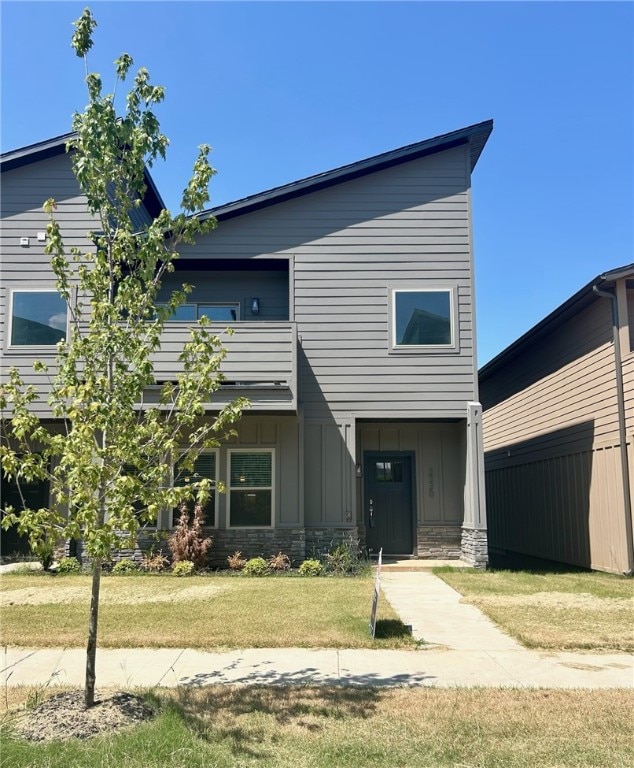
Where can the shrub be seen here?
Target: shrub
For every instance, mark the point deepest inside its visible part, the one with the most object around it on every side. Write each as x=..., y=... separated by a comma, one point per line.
x=183, y=568
x=188, y=541
x=44, y=551
x=279, y=562
x=311, y=568
x=236, y=561
x=154, y=562
x=69, y=565
x=125, y=566
x=256, y=566
x=345, y=558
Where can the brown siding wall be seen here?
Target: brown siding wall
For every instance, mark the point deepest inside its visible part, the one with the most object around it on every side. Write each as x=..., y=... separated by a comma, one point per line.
x=628, y=366
x=551, y=442
x=564, y=380
x=566, y=508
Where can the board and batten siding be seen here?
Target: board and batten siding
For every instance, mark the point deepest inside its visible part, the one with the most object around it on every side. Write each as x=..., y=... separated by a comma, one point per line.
x=24, y=191
x=551, y=442
x=439, y=466
x=405, y=226
x=329, y=497
x=280, y=433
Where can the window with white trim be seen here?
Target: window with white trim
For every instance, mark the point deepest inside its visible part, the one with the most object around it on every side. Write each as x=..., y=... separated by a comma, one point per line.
x=422, y=318
x=38, y=318
x=205, y=466
x=250, y=488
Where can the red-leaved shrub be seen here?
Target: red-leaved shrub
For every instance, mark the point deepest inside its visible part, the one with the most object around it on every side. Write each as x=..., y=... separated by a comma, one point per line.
x=188, y=541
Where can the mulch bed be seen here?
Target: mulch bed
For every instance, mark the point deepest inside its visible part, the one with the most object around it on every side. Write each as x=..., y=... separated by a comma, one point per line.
x=64, y=716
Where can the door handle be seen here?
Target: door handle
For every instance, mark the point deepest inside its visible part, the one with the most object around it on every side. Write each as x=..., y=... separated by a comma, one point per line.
x=371, y=503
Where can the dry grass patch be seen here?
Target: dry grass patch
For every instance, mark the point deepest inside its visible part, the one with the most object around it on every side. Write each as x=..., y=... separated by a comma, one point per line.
x=348, y=727
x=202, y=612
x=571, y=611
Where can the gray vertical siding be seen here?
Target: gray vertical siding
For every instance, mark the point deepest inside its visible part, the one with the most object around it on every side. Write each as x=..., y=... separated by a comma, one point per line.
x=439, y=451
x=329, y=468
x=281, y=434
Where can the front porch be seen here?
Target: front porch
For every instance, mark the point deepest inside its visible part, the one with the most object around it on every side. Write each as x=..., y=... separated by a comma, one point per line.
x=419, y=491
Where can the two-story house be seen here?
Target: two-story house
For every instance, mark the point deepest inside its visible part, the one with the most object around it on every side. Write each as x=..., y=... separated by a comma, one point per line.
x=351, y=296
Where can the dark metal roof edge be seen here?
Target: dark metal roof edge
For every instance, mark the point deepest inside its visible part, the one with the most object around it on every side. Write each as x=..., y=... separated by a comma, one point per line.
x=152, y=200
x=618, y=273
x=34, y=152
x=356, y=170
x=552, y=320
x=42, y=150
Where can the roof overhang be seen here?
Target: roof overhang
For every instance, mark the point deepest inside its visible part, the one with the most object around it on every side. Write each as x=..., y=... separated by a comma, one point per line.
x=34, y=153
x=583, y=298
x=475, y=136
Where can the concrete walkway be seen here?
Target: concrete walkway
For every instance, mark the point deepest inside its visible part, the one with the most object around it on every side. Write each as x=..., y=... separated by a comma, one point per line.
x=463, y=648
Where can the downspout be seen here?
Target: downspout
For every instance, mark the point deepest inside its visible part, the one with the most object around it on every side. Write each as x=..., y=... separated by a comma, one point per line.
x=620, y=399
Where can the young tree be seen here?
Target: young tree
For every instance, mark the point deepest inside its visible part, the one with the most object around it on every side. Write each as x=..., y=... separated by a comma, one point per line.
x=108, y=467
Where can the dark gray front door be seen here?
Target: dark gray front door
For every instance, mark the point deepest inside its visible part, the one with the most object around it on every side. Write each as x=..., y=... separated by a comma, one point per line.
x=388, y=500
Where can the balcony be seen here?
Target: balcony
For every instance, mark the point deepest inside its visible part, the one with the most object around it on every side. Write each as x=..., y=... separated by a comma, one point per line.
x=261, y=363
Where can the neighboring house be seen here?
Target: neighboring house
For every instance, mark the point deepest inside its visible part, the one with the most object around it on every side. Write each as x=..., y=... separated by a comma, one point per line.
x=351, y=296
x=559, y=432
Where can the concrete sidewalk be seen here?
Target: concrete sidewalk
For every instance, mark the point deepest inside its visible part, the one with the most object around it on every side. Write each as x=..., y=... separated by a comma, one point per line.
x=283, y=666
x=463, y=648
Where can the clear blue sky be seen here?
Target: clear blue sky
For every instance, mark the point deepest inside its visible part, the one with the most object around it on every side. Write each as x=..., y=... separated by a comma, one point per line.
x=284, y=90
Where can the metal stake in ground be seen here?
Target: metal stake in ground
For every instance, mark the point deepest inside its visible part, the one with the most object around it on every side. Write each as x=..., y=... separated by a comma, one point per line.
x=375, y=598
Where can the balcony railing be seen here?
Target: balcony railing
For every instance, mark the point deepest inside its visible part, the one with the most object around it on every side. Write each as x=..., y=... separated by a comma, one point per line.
x=261, y=362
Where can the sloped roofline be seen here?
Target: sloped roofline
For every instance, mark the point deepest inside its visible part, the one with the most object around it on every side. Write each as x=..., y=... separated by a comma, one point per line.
x=474, y=135
x=42, y=150
x=581, y=299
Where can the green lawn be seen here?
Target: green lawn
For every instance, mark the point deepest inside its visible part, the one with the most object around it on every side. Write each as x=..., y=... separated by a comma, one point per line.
x=570, y=610
x=216, y=611
x=347, y=727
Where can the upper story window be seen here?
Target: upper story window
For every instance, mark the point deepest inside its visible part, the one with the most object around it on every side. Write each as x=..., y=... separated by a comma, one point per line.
x=38, y=318
x=217, y=313
x=423, y=318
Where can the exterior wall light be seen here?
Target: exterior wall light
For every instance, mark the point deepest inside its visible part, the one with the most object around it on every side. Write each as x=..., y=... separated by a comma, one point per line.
x=255, y=306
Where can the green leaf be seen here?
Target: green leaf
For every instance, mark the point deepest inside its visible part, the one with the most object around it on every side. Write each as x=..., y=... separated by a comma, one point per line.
x=81, y=41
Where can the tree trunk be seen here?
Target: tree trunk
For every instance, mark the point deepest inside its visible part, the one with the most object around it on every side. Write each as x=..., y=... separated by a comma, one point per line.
x=91, y=650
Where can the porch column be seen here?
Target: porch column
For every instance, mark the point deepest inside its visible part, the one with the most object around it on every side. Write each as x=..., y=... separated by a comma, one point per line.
x=474, y=549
